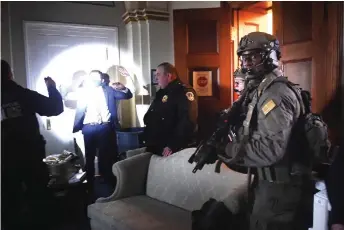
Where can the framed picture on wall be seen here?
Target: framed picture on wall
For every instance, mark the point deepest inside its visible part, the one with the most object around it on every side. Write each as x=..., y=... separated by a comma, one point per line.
x=202, y=83
x=153, y=77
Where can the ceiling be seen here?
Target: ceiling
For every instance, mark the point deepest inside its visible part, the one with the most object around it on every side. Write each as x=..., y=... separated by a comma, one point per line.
x=251, y=5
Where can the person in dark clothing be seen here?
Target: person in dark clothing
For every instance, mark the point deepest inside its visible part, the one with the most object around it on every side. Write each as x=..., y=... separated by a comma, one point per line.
x=23, y=148
x=171, y=120
x=96, y=117
x=334, y=181
x=265, y=140
x=335, y=190
x=283, y=192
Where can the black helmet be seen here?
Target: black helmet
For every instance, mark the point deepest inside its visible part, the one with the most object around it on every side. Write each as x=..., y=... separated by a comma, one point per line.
x=264, y=43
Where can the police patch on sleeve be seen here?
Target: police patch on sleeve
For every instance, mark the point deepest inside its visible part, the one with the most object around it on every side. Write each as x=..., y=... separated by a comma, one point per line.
x=270, y=105
x=190, y=96
x=164, y=99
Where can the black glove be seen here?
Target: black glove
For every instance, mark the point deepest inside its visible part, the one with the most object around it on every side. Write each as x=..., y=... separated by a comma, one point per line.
x=206, y=155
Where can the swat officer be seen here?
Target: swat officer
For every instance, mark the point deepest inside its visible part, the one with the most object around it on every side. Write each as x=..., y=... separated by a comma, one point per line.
x=171, y=120
x=23, y=147
x=266, y=140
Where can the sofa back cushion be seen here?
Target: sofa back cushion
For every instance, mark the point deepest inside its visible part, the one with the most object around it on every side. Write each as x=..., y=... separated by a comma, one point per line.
x=170, y=179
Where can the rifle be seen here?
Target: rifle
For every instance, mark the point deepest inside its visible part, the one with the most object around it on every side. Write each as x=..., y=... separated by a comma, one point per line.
x=206, y=151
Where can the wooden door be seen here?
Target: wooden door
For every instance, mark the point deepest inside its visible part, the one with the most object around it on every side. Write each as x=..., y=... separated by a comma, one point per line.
x=202, y=42
x=305, y=36
x=310, y=36
x=248, y=20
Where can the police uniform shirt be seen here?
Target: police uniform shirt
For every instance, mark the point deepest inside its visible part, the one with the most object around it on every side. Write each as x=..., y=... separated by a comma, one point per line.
x=171, y=119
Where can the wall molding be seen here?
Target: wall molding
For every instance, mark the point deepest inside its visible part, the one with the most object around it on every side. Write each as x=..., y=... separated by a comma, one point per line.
x=107, y=4
x=145, y=15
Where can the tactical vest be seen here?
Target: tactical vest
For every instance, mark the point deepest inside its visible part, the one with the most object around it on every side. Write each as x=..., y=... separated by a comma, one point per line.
x=309, y=136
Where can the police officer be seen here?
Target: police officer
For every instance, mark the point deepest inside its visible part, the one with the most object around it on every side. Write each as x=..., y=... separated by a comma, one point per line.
x=23, y=147
x=266, y=140
x=171, y=120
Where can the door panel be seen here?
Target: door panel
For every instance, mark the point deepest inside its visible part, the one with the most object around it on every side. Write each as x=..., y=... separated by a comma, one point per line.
x=301, y=44
x=310, y=36
x=202, y=42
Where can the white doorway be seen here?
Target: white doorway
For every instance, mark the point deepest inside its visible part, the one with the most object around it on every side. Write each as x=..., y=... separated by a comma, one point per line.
x=63, y=51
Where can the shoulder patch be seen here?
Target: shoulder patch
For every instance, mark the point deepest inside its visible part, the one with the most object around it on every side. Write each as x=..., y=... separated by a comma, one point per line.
x=270, y=105
x=190, y=96
x=164, y=99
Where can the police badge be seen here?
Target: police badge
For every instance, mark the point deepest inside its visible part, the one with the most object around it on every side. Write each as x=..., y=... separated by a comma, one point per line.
x=190, y=96
x=164, y=99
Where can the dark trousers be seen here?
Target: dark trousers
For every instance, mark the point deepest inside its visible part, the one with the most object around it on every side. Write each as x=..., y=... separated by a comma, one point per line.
x=102, y=138
x=24, y=179
x=282, y=206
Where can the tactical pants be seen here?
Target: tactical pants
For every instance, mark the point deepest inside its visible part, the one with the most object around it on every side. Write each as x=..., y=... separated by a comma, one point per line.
x=24, y=181
x=282, y=206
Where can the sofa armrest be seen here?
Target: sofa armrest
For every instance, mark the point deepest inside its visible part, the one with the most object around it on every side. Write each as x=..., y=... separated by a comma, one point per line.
x=131, y=177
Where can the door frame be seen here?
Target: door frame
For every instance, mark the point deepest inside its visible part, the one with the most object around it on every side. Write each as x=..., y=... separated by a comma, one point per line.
x=28, y=24
x=341, y=67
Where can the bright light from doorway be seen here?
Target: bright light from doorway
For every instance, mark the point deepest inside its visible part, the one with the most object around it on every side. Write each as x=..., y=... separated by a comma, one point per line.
x=68, y=69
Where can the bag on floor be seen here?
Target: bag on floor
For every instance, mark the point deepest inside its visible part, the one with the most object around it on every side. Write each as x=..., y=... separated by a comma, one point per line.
x=213, y=215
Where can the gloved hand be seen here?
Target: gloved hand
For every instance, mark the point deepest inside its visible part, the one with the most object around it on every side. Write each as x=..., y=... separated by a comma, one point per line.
x=206, y=155
x=230, y=156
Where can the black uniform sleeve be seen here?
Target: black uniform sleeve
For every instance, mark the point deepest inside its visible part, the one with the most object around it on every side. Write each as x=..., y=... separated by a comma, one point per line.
x=277, y=111
x=45, y=106
x=187, y=109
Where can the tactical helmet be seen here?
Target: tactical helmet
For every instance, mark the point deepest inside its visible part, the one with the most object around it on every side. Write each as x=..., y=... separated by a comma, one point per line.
x=265, y=44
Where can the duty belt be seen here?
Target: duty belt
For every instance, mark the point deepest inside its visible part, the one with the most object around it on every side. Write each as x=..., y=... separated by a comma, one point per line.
x=280, y=174
x=274, y=174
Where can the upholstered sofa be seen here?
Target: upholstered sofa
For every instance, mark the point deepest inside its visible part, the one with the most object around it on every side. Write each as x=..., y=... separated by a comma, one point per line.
x=159, y=193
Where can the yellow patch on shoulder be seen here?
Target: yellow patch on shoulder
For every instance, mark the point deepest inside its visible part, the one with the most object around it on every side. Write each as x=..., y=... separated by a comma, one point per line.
x=270, y=105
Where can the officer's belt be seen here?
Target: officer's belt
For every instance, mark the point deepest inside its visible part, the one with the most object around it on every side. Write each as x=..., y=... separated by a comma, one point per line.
x=279, y=174
x=273, y=174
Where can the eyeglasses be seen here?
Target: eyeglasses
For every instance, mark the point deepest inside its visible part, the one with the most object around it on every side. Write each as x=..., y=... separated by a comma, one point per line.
x=256, y=56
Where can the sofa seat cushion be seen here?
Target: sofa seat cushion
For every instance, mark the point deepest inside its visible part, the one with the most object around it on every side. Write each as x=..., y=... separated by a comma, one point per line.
x=140, y=213
x=170, y=179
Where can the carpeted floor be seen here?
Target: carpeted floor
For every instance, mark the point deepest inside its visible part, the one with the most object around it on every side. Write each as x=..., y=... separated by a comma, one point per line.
x=71, y=210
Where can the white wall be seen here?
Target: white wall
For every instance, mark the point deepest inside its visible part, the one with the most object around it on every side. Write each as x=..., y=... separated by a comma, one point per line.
x=177, y=5
x=194, y=4
x=63, y=12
